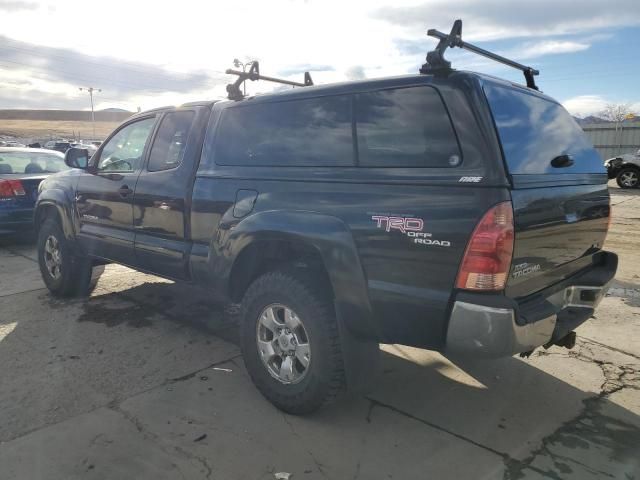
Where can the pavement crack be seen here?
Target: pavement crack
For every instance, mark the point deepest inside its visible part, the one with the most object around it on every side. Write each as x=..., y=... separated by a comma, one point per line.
x=156, y=440
x=356, y=475
x=609, y=347
x=317, y=463
x=590, y=426
x=508, y=460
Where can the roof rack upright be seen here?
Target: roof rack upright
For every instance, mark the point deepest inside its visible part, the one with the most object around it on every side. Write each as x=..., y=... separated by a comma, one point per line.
x=233, y=89
x=437, y=63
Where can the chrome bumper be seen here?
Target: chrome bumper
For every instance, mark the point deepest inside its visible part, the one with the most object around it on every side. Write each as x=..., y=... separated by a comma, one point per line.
x=485, y=331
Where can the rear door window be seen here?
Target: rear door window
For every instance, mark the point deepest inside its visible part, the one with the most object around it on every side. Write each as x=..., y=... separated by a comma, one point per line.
x=534, y=130
x=171, y=141
x=294, y=133
x=405, y=127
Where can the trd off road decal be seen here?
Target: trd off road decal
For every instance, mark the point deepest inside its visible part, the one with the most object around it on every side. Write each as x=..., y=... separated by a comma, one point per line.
x=411, y=227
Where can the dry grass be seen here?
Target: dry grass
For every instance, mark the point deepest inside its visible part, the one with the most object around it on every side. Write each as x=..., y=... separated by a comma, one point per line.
x=42, y=129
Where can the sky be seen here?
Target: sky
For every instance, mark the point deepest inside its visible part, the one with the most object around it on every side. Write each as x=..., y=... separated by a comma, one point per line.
x=148, y=54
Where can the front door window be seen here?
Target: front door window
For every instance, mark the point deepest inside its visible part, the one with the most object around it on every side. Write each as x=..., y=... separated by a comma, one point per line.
x=123, y=152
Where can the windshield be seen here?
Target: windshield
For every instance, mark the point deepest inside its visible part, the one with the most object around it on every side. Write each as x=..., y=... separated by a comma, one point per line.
x=534, y=130
x=31, y=162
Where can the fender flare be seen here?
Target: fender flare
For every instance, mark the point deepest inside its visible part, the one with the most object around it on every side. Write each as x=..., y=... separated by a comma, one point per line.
x=328, y=235
x=57, y=199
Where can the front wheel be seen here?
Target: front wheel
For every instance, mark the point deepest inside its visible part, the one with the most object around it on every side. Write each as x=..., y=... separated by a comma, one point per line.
x=63, y=273
x=290, y=340
x=628, y=178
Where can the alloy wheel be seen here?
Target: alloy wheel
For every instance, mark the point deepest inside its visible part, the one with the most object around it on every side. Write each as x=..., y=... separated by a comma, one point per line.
x=283, y=344
x=53, y=257
x=629, y=179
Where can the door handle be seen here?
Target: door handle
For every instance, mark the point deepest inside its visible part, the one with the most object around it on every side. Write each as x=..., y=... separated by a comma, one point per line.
x=125, y=191
x=562, y=161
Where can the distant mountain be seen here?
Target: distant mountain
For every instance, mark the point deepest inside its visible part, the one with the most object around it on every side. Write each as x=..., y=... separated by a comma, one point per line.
x=119, y=110
x=590, y=120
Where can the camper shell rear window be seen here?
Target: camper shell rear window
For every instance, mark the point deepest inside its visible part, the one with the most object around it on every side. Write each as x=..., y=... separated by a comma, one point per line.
x=534, y=130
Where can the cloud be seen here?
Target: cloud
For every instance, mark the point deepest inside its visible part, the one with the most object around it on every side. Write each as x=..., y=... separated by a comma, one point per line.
x=53, y=76
x=585, y=105
x=70, y=66
x=549, y=47
x=16, y=6
x=168, y=60
x=304, y=67
x=355, y=72
x=497, y=19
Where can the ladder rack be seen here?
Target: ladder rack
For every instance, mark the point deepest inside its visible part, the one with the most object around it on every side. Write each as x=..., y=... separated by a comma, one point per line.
x=437, y=63
x=233, y=89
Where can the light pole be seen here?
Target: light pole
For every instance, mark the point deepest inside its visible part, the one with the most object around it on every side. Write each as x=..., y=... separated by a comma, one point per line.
x=237, y=63
x=93, y=118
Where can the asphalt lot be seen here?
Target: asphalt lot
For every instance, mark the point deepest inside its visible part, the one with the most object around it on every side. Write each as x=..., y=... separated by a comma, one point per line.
x=144, y=381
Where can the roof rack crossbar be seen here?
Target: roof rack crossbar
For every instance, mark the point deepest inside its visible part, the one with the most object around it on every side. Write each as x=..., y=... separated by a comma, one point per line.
x=437, y=62
x=233, y=89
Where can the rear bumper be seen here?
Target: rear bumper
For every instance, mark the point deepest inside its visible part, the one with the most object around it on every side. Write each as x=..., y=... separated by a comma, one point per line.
x=497, y=326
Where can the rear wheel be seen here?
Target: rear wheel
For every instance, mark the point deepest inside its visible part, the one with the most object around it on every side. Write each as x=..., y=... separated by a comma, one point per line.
x=628, y=178
x=290, y=340
x=64, y=273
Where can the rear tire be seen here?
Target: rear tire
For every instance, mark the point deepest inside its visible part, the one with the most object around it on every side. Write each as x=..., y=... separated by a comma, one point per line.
x=64, y=273
x=628, y=177
x=306, y=303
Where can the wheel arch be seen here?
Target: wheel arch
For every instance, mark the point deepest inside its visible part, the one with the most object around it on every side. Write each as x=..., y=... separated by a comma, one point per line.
x=53, y=203
x=308, y=240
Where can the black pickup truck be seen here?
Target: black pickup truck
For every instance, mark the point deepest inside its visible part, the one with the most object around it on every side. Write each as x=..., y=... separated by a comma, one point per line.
x=447, y=210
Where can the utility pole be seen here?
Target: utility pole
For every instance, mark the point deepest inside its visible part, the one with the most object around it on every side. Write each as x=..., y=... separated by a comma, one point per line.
x=93, y=118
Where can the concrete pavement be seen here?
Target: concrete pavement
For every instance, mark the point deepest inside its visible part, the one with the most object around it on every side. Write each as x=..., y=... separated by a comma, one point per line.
x=144, y=380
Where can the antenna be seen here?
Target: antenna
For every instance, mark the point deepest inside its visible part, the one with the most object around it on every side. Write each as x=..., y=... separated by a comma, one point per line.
x=233, y=89
x=437, y=63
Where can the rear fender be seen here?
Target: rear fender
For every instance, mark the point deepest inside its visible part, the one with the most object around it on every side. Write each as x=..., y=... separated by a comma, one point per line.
x=326, y=234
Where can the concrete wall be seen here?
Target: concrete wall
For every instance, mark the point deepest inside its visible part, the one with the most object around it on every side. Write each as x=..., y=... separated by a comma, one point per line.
x=611, y=142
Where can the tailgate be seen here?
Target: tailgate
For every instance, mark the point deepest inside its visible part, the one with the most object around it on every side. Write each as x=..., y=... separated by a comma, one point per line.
x=559, y=195
x=557, y=230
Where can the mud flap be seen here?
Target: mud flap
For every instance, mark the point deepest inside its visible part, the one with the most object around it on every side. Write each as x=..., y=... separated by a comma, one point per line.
x=361, y=357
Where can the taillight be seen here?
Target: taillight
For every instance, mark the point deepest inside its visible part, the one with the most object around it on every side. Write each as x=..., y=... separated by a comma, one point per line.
x=487, y=259
x=11, y=188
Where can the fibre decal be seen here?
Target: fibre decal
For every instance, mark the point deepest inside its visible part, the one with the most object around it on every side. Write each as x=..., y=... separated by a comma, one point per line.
x=411, y=227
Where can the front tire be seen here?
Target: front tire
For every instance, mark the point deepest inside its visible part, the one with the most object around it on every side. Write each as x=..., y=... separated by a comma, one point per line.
x=290, y=340
x=628, y=177
x=64, y=273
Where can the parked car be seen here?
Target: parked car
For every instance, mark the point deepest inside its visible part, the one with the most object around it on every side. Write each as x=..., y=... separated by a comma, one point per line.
x=61, y=146
x=13, y=143
x=625, y=169
x=91, y=149
x=21, y=171
x=431, y=210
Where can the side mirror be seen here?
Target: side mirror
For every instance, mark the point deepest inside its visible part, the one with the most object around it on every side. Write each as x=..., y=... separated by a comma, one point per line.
x=77, y=158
